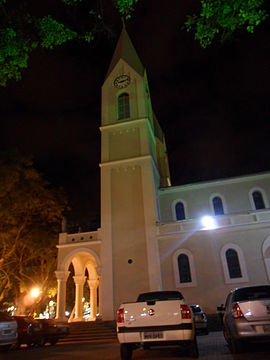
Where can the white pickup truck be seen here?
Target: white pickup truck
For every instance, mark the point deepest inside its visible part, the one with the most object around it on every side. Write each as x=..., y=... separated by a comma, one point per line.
x=160, y=318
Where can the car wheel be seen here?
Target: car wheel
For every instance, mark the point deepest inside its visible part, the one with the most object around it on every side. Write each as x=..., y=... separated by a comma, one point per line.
x=31, y=344
x=54, y=341
x=41, y=342
x=193, y=349
x=126, y=351
x=235, y=346
x=17, y=345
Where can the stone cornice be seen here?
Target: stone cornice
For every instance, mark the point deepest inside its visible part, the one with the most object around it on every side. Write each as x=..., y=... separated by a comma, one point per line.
x=212, y=183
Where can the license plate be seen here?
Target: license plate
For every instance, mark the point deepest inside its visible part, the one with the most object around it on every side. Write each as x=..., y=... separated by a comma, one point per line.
x=153, y=335
x=266, y=328
x=7, y=332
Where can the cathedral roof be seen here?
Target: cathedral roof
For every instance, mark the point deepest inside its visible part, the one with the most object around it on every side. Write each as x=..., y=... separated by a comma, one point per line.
x=125, y=50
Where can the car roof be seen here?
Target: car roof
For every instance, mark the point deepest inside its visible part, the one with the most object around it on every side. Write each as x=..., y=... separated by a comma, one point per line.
x=250, y=287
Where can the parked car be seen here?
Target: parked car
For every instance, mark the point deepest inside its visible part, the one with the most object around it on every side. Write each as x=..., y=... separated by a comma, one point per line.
x=247, y=316
x=156, y=319
x=8, y=331
x=29, y=331
x=200, y=319
x=52, y=331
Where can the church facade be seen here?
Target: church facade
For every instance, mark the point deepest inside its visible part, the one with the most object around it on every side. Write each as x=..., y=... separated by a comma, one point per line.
x=202, y=239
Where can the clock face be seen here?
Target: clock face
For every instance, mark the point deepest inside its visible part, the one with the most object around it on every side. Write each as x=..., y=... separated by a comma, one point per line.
x=121, y=81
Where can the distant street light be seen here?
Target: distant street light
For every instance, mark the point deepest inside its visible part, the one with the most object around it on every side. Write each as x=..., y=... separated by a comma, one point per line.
x=35, y=292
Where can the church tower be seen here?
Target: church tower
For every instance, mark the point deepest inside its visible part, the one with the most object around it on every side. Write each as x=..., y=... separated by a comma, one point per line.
x=133, y=166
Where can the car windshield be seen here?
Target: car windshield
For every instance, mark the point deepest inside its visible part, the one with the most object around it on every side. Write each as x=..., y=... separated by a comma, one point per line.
x=4, y=317
x=160, y=296
x=23, y=319
x=195, y=308
x=252, y=293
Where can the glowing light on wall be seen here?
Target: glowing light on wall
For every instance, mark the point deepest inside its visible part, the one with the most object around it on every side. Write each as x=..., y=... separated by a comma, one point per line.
x=208, y=222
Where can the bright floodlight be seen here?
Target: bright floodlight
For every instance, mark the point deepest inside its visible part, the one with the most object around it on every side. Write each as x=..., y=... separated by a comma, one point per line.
x=35, y=292
x=208, y=222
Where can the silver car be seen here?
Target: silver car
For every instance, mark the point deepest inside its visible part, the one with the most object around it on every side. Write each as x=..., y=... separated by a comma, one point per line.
x=8, y=331
x=247, y=316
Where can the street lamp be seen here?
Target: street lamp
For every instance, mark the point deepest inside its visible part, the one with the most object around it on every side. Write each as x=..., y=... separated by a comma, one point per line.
x=208, y=222
x=35, y=292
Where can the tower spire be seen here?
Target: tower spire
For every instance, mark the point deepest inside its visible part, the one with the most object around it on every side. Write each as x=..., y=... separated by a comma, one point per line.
x=123, y=22
x=125, y=50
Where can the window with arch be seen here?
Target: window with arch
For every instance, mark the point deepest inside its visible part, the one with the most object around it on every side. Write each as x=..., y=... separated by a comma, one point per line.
x=218, y=205
x=123, y=106
x=234, y=266
x=184, y=268
x=258, y=200
x=180, y=211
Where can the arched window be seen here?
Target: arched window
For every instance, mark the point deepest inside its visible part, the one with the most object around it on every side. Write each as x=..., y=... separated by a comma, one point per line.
x=218, y=206
x=258, y=200
x=233, y=264
x=184, y=269
x=180, y=211
x=123, y=106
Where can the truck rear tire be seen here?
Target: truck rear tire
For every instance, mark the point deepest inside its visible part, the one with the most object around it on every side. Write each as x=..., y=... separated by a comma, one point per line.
x=235, y=346
x=126, y=351
x=193, y=350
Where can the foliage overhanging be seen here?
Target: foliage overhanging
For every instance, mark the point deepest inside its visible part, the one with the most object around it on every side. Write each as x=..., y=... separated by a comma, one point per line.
x=21, y=31
x=220, y=19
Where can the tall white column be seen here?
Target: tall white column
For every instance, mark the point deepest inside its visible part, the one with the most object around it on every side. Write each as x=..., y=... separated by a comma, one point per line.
x=98, y=269
x=93, y=285
x=100, y=296
x=79, y=282
x=61, y=276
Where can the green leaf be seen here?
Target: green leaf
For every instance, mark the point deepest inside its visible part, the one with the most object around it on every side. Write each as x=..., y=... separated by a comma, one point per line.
x=14, y=55
x=89, y=36
x=125, y=7
x=54, y=33
x=219, y=19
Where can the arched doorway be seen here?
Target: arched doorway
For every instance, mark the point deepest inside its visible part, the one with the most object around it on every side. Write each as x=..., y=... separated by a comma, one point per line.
x=80, y=268
x=266, y=255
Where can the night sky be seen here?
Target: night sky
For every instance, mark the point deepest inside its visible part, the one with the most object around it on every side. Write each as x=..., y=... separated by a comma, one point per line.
x=213, y=104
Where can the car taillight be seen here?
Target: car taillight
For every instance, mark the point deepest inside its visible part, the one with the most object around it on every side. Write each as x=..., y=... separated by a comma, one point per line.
x=25, y=327
x=237, y=313
x=185, y=311
x=120, y=316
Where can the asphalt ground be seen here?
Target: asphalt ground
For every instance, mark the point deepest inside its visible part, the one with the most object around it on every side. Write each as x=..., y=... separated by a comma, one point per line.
x=211, y=347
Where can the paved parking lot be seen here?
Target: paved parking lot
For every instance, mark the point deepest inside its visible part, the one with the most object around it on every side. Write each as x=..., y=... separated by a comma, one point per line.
x=211, y=347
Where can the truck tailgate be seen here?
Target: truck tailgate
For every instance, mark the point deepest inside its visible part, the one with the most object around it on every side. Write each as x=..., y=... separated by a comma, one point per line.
x=159, y=313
